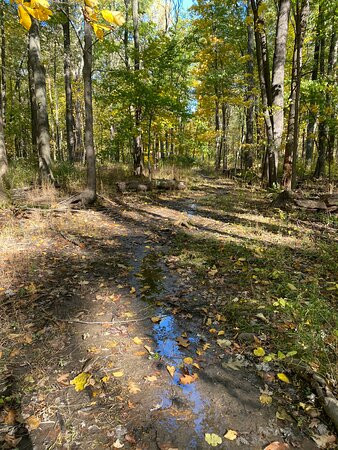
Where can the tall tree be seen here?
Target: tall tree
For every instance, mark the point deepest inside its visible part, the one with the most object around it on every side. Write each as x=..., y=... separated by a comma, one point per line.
x=301, y=14
x=42, y=125
x=68, y=84
x=137, y=138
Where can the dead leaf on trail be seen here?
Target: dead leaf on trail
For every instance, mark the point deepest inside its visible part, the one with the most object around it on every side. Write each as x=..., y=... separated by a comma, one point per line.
x=188, y=360
x=277, y=446
x=235, y=364
x=265, y=399
x=118, y=374
x=118, y=444
x=171, y=370
x=81, y=381
x=324, y=440
x=63, y=379
x=140, y=353
x=188, y=379
x=133, y=388
x=196, y=365
x=283, y=377
x=156, y=319
x=10, y=418
x=150, y=378
x=231, y=435
x=14, y=353
x=132, y=290
x=223, y=343
x=137, y=340
x=206, y=346
x=183, y=342
x=213, y=439
x=148, y=349
x=111, y=344
x=33, y=422
x=281, y=414
x=259, y=351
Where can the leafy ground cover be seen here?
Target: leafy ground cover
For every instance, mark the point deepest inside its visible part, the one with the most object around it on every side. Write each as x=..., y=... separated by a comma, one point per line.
x=165, y=321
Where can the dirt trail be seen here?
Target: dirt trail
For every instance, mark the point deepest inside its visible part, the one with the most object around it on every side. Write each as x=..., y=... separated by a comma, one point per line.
x=159, y=318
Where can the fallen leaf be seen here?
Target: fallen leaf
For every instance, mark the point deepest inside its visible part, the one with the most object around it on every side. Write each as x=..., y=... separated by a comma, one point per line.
x=235, y=364
x=196, y=365
x=221, y=333
x=140, y=353
x=118, y=374
x=262, y=317
x=213, y=439
x=133, y=388
x=148, y=349
x=118, y=444
x=281, y=414
x=324, y=440
x=188, y=360
x=81, y=381
x=213, y=331
x=259, y=351
x=277, y=446
x=105, y=379
x=10, y=418
x=231, y=435
x=33, y=422
x=265, y=399
x=283, y=377
x=206, y=346
x=223, y=343
x=183, y=342
x=150, y=378
x=156, y=319
x=132, y=290
x=14, y=353
x=171, y=370
x=291, y=286
x=111, y=344
x=188, y=379
x=137, y=340
x=63, y=379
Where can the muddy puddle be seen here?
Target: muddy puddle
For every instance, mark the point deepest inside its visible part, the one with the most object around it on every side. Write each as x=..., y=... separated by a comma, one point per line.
x=153, y=282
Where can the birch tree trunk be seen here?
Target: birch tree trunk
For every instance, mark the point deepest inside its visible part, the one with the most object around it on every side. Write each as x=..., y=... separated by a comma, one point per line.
x=42, y=125
x=291, y=147
x=278, y=75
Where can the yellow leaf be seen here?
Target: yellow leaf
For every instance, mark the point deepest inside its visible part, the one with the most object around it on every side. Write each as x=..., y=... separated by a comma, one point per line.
x=171, y=370
x=133, y=388
x=231, y=435
x=206, y=346
x=33, y=422
x=114, y=17
x=111, y=344
x=25, y=18
x=137, y=340
x=220, y=333
x=188, y=360
x=259, y=351
x=80, y=381
x=151, y=378
x=196, y=365
x=91, y=3
x=156, y=319
x=132, y=290
x=188, y=379
x=265, y=399
x=105, y=379
x=213, y=330
x=213, y=439
x=118, y=374
x=183, y=342
x=283, y=377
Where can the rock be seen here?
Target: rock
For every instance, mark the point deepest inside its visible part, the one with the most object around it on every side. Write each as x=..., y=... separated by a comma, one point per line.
x=246, y=337
x=180, y=185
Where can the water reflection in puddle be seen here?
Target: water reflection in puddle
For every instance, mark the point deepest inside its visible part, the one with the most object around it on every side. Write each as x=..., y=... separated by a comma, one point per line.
x=151, y=282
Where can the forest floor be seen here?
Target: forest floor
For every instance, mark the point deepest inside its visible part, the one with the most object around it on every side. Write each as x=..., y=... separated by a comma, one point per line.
x=165, y=321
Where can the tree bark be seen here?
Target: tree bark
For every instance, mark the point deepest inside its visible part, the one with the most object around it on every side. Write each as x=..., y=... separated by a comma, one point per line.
x=137, y=138
x=68, y=85
x=291, y=147
x=42, y=125
x=312, y=114
x=90, y=193
x=3, y=64
x=278, y=74
x=250, y=98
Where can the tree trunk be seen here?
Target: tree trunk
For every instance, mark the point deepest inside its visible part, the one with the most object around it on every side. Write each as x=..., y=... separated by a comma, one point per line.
x=278, y=74
x=3, y=64
x=291, y=147
x=137, y=139
x=218, y=136
x=68, y=85
x=250, y=98
x=90, y=193
x=42, y=126
x=312, y=115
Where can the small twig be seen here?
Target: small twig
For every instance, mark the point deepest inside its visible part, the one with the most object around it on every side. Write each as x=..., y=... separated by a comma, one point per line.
x=107, y=200
x=118, y=322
